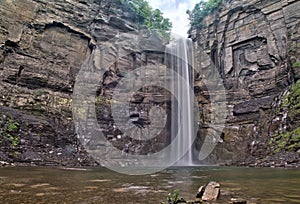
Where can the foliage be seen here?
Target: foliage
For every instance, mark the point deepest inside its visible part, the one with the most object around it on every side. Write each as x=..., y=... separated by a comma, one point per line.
x=289, y=141
x=146, y=16
x=8, y=130
x=173, y=198
x=292, y=99
x=201, y=10
x=296, y=64
x=294, y=48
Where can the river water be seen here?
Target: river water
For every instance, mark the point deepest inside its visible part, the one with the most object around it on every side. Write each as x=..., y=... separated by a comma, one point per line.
x=99, y=185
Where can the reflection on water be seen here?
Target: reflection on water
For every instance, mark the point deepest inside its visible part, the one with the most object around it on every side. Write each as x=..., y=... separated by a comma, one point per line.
x=54, y=185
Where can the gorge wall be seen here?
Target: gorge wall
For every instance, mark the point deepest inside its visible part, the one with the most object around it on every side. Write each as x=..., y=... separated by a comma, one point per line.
x=253, y=45
x=44, y=44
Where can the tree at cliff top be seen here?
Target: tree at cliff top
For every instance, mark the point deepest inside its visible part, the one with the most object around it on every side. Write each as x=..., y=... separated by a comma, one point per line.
x=201, y=10
x=146, y=16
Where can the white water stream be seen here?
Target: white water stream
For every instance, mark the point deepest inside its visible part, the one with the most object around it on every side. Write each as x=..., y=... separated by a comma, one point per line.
x=180, y=59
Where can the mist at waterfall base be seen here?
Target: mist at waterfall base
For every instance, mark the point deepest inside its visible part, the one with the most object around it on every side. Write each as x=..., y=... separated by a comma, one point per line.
x=179, y=57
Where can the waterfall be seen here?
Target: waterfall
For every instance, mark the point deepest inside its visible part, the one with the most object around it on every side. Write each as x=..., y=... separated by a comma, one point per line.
x=179, y=57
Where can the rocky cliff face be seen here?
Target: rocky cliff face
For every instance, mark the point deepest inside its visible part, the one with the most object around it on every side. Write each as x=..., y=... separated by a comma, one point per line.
x=43, y=46
x=253, y=45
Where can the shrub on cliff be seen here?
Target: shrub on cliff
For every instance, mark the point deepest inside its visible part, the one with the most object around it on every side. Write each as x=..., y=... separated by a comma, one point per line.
x=292, y=99
x=201, y=10
x=145, y=15
x=8, y=131
x=289, y=140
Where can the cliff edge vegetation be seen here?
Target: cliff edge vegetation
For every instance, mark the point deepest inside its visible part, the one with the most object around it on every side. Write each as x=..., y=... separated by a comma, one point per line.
x=145, y=15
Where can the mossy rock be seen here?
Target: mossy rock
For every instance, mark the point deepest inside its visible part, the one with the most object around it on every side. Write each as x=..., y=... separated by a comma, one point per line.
x=292, y=100
x=289, y=141
x=296, y=64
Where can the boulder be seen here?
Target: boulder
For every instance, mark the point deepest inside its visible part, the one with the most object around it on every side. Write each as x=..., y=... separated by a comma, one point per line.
x=211, y=192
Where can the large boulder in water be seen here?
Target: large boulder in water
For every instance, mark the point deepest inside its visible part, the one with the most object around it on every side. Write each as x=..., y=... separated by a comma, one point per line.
x=211, y=192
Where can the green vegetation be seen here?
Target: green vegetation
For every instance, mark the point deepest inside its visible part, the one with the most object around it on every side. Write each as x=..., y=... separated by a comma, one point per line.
x=289, y=141
x=292, y=99
x=172, y=198
x=293, y=54
x=201, y=10
x=146, y=16
x=296, y=64
x=294, y=48
x=8, y=130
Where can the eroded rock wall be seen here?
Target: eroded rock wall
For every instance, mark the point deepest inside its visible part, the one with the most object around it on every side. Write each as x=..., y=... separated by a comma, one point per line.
x=251, y=45
x=43, y=46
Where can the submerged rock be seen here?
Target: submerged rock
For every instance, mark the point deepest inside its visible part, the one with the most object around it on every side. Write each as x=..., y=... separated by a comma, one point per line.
x=238, y=201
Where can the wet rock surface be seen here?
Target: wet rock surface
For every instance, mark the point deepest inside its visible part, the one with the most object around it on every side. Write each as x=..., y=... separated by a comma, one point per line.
x=211, y=192
x=251, y=45
x=43, y=142
x=5, y=164
x=43, y=47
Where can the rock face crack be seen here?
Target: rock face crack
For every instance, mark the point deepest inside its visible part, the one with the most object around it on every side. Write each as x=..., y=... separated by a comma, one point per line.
x=44, y=45
x=251, y=40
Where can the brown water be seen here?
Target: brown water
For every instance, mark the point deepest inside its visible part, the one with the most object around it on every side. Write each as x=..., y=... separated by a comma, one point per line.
x=54, y=185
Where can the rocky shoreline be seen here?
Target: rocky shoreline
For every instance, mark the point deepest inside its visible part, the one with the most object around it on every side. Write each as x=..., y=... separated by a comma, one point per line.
x=44, y=142
x=260, y=164
x=279, y=160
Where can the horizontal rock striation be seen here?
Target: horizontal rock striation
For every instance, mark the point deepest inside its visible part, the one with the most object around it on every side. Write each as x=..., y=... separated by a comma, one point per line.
x=252, y=45
x=43, y=46
x=46, y=47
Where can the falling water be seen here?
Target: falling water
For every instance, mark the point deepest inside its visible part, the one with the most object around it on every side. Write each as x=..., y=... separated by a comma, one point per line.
x=179, y=57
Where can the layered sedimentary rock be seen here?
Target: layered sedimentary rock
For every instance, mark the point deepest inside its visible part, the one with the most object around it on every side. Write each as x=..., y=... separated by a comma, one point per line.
x=43, y=46
x=252, y=45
